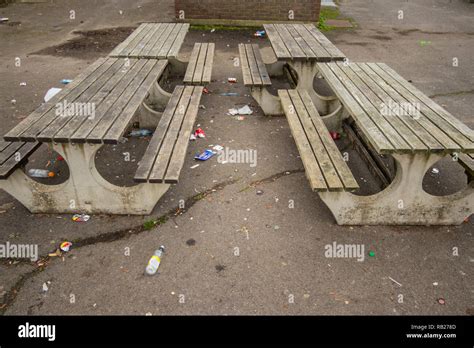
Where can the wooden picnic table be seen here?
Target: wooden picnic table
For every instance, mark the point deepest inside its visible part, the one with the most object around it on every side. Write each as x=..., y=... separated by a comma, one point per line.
x=153, y=40
x=301, y=47
x=394, y=118
x=96, y=108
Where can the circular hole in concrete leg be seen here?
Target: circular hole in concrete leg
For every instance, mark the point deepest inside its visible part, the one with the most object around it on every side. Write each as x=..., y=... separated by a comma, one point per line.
x=45, y=158
x=444, y=178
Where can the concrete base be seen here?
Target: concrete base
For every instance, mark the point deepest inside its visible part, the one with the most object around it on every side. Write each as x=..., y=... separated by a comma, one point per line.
x=306, y=72
x=403, y=202
x=176, y=66
x=86, y=191
x=269, y=103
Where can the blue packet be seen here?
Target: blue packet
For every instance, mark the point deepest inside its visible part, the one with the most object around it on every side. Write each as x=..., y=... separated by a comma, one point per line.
x=205, y=155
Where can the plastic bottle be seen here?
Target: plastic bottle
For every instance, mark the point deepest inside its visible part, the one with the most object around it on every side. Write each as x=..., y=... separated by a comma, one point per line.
x=155, y=261
x=141, y=133
x=40, y=173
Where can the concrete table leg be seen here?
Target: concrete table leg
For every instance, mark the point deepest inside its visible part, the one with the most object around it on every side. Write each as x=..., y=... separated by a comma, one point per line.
x=307, y=71
x=86, y=191
x=403, y=202
x=270, y=104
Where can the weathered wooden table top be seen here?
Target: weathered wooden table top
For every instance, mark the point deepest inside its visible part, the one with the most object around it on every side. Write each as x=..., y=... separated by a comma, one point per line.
x=301, y=42
x=96, y=107
x=393, y=115
x=153, y=40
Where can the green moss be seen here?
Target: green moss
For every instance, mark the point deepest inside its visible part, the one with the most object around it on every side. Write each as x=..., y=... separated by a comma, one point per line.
x=330, y=13
x=148, y=225
x=325, y=14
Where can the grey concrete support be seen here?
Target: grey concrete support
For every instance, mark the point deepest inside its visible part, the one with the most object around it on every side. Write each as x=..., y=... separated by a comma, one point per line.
x=177, y=67
x=158, y=96
x=275, y=68
x=269, y=103
x=147, y=117
x=307, y=71
x=403, y=202
x=86, y=191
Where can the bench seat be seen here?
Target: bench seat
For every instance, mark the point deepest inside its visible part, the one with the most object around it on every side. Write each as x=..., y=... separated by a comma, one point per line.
x=324, y=164
x=165, y=155
x=253, y=68
x=199, y=69
x=467, y=161
x=13, y=155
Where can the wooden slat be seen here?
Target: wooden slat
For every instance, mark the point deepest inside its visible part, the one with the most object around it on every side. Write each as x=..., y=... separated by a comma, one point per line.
x=385, y=93
x=313, y=172
x=197, y=77
x=86, y=97
x=14, y=134
x=157, y=36
x=328, y=45
x=154, y=53
x=277, y=43
x=447, y=128
x=341, y=166
x=148, y=160
x=160, y=167
x=179, y=152
x=207, y=74
x=110, y=104
x=163, y=53
x=309, y=53
x=12, y=163
x=9, y=151
x=174, y=50
x=316, y=146
x=188, y=77
x=108, y=120
x=262, y=69
x=467, y=162
x=65, y=134
x=120, y=125
x=245, y=66
x=463, y=128
x=116, y=51
x=439, y=135
x=318, y=50
x=4, y=144
x=257, y=80
x=370, y=130
x=378, y=97
x=133, y=43
x=147, y=39
x=353, y=83
x=31, y=133
x=295, y=50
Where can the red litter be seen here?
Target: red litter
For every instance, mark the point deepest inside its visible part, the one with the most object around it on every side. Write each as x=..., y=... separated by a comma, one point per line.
x=205, y=90
x=232, y=80
x=66, y=246
x=335, y=135
x=199, y=133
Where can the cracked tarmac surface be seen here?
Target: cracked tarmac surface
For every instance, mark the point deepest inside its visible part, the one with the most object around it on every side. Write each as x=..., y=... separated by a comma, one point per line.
x=231, y=250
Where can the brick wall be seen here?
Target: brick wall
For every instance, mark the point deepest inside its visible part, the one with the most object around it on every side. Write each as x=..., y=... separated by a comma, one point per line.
x=304, y=10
